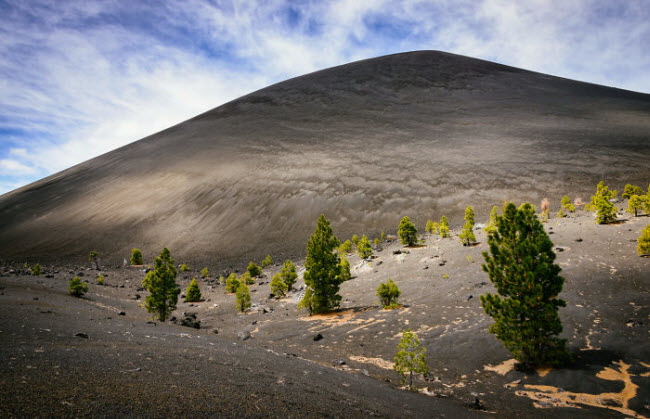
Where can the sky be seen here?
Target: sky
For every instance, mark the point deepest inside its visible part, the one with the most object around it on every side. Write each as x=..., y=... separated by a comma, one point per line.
x=81, y=78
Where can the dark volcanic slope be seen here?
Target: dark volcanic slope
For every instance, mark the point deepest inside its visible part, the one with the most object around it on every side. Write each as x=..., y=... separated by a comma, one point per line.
x=420, y=134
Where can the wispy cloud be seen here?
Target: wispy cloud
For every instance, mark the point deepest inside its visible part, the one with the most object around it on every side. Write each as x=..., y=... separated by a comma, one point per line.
x=80, y=78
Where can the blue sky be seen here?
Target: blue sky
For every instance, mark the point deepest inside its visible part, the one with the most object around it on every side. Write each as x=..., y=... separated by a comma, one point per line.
x=80, y=78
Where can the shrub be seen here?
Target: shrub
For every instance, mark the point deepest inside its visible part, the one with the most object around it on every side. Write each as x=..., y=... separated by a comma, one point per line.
x=388, y=294
x=492, y=222
x=254, y=270
x=382, y=236
x=322, y=270
x=635, y=203
x=243, y=298
x=643, y=241
x=288, y=274
x=36, y=270
x=232, y=283
x=162, y=287
x=205, y=273
x=469, y=258
x=136, y=257
x=355, y=239
x=407, y=232
x=521, y=267
x=566, y=204
x=345, y=269
x=411, y=357
x=307, y=301
x=193, y=292
x=560, y=213
x=377, y=242
x=278, y=287
x=247, y=279
x=364, y=248
x=268, y=261
x=545, y=217
x=429, y=227
x=345, y=247
x=184, y=267
x=605, y=210
x=630, y=190
x=445, y=276
x=221, y=280
x=444, y=227
x=92, y=258
x=467, y=234
x=77, y=288
x=100, y=279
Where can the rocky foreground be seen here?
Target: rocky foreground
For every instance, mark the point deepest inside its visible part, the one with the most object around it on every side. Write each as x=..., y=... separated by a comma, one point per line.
x=101, y=354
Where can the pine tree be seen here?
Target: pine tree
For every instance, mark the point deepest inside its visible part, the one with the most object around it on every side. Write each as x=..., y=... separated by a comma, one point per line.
x=635, y=204
x=232, y=283
x=492, y=222
x=364, y=248
x=278, y=287
x=407, y=232
x=345, y=269
x=162, y=287
x=136, y=257
x=93, y=258
x=184, y=267
x=411, y=357
x=376, y=242
x=444, y=227
x=560, y=213
x=355, y=239
x=77, y=288
x=322, y=270
x=644, y=242
x=205, y=273
x=288, y=274
x=254, y=270
x=388, y=294
x=268, y=261
x=467, y=234
x=243, y=298
x=345, y=248
x=566, y=204
x=605, y=210
x=382, y=236
x=630, y=190
x=100, y=279
x=193, y=292
x=246, y=278
x=525, y=310
x=307, y=301
x=37, y=270
x=429, y=227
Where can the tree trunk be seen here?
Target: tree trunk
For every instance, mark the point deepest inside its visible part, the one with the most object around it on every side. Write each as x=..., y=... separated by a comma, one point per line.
x=410, y=380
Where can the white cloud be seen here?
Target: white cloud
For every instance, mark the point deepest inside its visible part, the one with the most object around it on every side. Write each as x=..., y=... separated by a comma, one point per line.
x=76, y=84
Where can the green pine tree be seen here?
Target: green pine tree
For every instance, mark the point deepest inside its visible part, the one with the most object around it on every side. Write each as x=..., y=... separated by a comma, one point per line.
x=467, y=234
x=162, y=287
x=246, y=278
x=605, y=210
x=566, y=204
x=77, y=288
x=444, y=227
x=243, y=298
x=388, y=294
x=136, y=257
x=429, y=227
x=492, y=222
x=37, y=270
x=643, y=241
x=288, y=274
x=184, y=267
x=364, y=248
x=268, y=261
x=278, y=287
x=635, y=203
x=322, y=270
x=345, y=248
x=254, y=270
x=411, y=357
x=193, y=292
x=525, y=310
x=630, y=190
x=205, y=273
x=407, y=232
x=345, y=269
x=232, y=283
x=355, y=239
x=93, y=258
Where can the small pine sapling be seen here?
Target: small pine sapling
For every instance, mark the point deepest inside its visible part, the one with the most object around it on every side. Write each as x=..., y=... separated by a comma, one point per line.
x=136, y=257
x=288, y=274
x=193, y=292
x=77, y=288
x=467, y=234
x=205, y=273
x=100, y=279
x=444, y=227
x=492, y=222
x=278, y=287
x=268, y=261
x=407, y=232
x=184, y=267
x=382, y=236
x=635, y=203
x=643, y=248
x=37, y=270
x=630, y=190
x=429, y=227
x=345, y=247
x=377, y=242
x=254, y=270
x=411, y=357
x=566, y=204
x=93, y=258
x=560, y=213
x=162, y=287
x=355, y=239
x=345, y=269
x=601, y=203
x=364, y=248
x=388, y=293
x=243, y=298
x=247, y=279
x=232, y=283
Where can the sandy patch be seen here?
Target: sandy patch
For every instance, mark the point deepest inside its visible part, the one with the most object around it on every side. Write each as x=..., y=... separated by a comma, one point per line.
x=379, y=362
x=503, y=368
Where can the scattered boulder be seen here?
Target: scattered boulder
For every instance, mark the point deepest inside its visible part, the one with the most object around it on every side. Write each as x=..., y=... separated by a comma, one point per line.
x=82, y=335
x=215, y=331
x=80, y=274
x=397, y=252
x=245, y=335
x=189, y=320
x=318, y=337
x=121, y=313
x=578, y=240
x=442, y=263
x=469, y=297
x=338, y=362
x=136, y=297
x=475, y=404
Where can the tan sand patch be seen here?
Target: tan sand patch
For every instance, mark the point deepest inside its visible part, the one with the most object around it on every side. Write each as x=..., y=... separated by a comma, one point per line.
x=549, y=396
x=503, y=368
x=379, y=362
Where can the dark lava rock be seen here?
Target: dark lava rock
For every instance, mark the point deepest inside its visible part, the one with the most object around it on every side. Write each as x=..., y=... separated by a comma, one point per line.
x=121, y=286
x=81, y=335
x=121, y=313
x=140, y=289
x=442, y=263
x=338, y=362
x=469, y=297
x=49, y=276
x=245, y=335
x=136, y=297
x=578, y=240
x=425, y=268
x=80, y=274
x=215, y=331
x=559, y=249
x=397, y=252
x=318, y=337
x=475, y=404
x=189, y=320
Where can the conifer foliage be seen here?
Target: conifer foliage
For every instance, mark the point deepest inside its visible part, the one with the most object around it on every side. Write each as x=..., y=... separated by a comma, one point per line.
x=243, y=298
x=492, y=222
x=345, y=269
x=525, y=310
x=364, y=248
x=278, y=286
x=467, y=235
x=388, y=294
x=407, y=232
x=162, y=287
x=77, y=288
x=136, y=257
x=322, y=270
x=411, y=357
x=193, y=292
x=605, y=210
x=288, y=274
x=643, y=241
x=443, y=228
